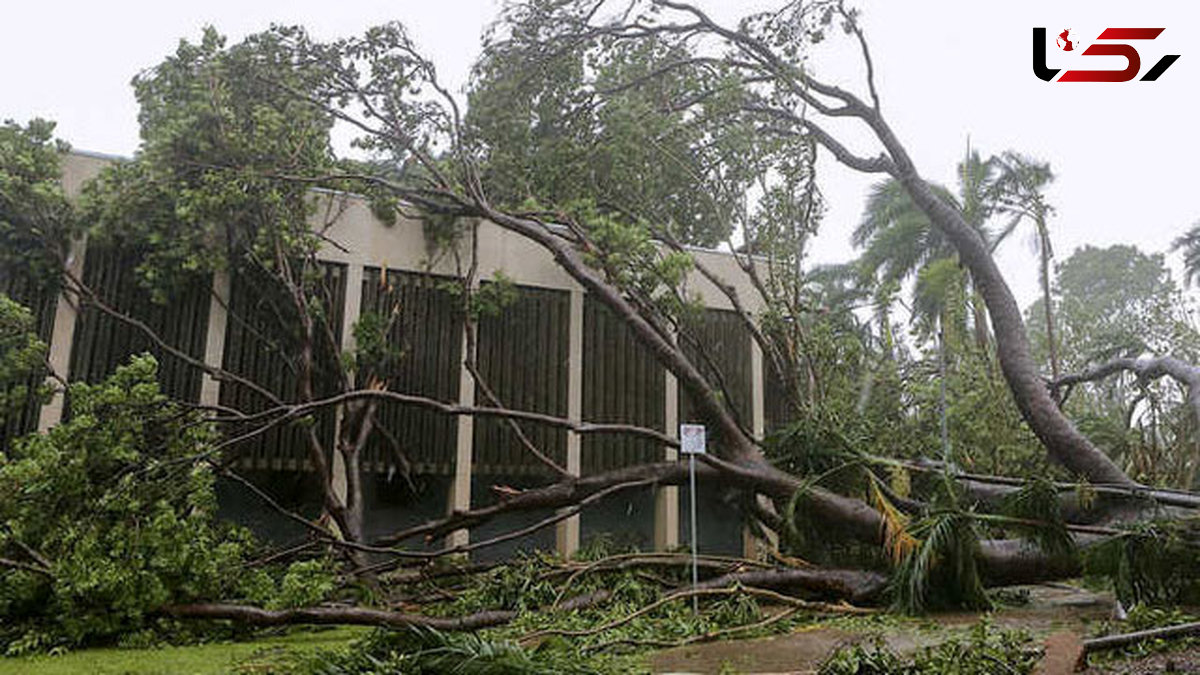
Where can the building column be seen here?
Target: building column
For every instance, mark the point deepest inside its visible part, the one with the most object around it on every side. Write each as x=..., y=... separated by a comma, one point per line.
x=66, y=314
x=214, y=345
x=351, y=311
x=464, y=456
x=567, y=533
x=751, y=544
x=666, y=499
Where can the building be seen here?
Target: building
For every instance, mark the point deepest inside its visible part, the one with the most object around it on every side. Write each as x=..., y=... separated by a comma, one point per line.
x=554, y=351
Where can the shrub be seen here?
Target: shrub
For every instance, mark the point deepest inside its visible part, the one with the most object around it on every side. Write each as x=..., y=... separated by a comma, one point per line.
x=111, y=515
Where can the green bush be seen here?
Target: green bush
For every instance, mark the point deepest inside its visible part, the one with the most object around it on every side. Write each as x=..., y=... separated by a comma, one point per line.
x=111, y=515
x=424, y=651
x=22, y=356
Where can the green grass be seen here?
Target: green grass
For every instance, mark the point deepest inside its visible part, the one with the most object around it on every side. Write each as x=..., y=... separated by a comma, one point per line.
x=263, y=655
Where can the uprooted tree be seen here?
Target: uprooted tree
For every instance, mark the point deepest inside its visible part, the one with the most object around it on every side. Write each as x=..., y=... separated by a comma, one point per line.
x=612, y=137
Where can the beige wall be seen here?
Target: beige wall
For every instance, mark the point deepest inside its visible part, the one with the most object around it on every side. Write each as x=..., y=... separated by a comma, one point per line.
x=370, y=243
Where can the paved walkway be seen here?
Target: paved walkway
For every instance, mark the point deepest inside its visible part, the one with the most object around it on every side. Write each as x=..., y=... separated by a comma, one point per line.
x=1051, y=609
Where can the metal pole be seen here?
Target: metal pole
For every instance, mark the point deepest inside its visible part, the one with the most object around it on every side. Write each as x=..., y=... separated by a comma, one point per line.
x=695, y=562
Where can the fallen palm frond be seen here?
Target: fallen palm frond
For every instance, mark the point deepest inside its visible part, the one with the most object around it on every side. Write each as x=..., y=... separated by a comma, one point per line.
x=898, y=541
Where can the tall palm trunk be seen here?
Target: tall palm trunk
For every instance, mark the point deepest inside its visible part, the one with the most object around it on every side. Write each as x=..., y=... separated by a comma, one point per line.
x=943, y=425
x=1046, y=253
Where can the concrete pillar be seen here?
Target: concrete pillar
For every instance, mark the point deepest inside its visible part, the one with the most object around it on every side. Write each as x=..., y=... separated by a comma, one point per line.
x=66, y=313
x=666, y=499
x=460, y=490
x=352, y=306
x=758, y=425
x=758, y=414
x=567, y=533
x=351, y=311
x=214, y=345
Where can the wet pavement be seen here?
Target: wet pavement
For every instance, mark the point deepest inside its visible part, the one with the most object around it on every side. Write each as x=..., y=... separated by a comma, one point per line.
x=1051, y=609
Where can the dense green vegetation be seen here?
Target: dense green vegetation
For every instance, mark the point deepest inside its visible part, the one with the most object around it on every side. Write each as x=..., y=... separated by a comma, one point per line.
x=114, y=510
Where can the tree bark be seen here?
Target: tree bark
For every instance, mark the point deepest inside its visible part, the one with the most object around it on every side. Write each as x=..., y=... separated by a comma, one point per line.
x=326, y=616
x=1116, y=641
x=1045, y=252
x=1061, y=439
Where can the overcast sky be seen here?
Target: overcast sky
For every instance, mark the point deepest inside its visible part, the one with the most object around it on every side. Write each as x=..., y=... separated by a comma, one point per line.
x=947, y=71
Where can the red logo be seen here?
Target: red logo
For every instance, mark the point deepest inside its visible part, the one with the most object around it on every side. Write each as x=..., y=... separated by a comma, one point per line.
x=1064, y=41
x=1067, y=42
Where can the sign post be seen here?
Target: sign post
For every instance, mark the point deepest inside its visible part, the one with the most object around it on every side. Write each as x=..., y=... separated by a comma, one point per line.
x=691, y=443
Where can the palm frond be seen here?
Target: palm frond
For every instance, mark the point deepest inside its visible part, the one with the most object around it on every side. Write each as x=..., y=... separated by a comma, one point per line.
x=1037, y=502
x=941, y=570
x=898, y=542
x=1156, y=563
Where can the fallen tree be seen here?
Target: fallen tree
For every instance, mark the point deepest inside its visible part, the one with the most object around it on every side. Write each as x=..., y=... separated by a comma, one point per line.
x=749, y=80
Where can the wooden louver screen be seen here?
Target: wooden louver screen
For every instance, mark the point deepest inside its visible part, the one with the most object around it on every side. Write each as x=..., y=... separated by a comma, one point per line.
x=725, y=341
x=40, y=299
x=622, y=383
x=103, y=342
x=260, y=344
x=428, y=331
x=522, y=354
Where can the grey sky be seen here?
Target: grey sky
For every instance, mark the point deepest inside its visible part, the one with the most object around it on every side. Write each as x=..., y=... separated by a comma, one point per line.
x=946, y=70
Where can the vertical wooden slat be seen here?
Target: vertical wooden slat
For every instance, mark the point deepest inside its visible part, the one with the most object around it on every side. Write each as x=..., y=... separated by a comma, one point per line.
x=522, y=355
x=40, y=298
x=625, y=384
x=428, y=330
x=103, y=343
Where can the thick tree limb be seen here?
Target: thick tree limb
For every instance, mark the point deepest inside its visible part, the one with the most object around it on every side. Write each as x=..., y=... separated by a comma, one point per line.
x=1063, y=442
x=856, y=586
x=1058, y=435
x=728, y=585
x=326, y=616
x=1126, y=639
x=992, y=489
x=27, y=567
x=1146, y=370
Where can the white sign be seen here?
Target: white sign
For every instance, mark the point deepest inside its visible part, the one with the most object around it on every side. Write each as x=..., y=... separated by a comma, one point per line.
x=691, y=439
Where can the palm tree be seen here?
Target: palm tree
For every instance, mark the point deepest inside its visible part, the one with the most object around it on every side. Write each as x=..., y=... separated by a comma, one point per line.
x=1019, y=194
x=899, y=241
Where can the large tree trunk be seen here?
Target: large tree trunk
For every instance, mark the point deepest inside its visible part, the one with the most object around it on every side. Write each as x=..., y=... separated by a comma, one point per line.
x=1062, y=440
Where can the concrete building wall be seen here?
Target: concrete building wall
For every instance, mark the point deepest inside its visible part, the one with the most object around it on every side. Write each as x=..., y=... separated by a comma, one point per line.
x=363, y=243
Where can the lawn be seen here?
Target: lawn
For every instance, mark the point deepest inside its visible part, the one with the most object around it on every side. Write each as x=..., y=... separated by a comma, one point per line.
x=264, y=655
